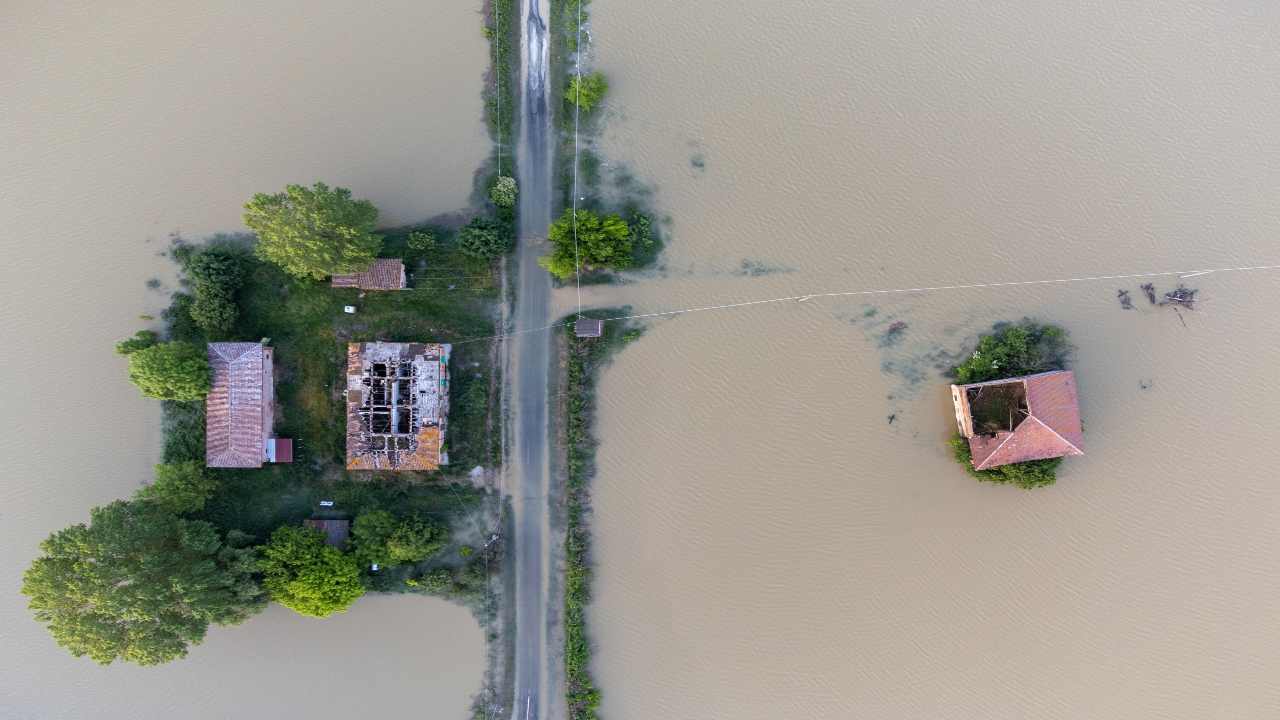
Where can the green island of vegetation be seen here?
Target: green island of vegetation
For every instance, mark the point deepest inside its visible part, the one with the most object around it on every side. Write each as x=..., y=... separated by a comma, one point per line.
x=584, y=359
x=146, y=576
x=1012, y=350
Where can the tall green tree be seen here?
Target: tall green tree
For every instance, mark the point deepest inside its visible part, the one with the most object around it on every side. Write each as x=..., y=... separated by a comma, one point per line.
x=601, y=243
x=307, y=576
x=484, y=238
x=171, y=371
x=314, y=232
x=139, y=584
x=588, y=91
x=379, y=537
x=181, y=488
x=215, y=274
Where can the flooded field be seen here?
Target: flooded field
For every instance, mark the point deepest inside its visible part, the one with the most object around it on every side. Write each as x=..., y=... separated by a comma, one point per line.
x=125, y=125
x=780, y=531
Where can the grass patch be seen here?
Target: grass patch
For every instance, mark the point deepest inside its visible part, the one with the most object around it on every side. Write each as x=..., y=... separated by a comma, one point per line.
x=585, y=358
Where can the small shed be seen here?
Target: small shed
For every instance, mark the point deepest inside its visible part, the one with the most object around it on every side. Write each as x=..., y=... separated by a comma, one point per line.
x=588, y=327
x=280, y=450
x=383, y=274
x=335, y=531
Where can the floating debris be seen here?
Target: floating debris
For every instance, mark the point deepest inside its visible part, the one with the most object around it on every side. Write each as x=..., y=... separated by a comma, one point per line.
x=1182, y=296
x=1150, y=290
x=1125, y=301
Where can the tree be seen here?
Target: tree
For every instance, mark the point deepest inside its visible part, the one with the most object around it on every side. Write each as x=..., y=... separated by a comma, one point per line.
x=141, y=340
x=484, y=239
x=314, y=232
x=421, y=240
x=1015, y=349
x=138, y=584
x=181, y=488
x=503, y=192
x=587, y=92
x=379, y=537
x=602, y=242
x=307, y=576
x=171, y=371
x=215, y=274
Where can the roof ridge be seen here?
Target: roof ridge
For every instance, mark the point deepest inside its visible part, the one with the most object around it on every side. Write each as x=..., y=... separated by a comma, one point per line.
x=993, y=452
x=1046, y=426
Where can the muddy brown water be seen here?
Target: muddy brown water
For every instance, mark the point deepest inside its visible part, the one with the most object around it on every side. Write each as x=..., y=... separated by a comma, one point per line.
x=121, y=126
x=768, y=544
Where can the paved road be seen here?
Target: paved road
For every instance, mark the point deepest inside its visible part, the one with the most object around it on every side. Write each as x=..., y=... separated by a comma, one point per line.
x=529, y=472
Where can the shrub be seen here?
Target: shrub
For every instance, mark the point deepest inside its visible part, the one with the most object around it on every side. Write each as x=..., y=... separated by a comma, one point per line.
x=587, y=92
x=1015, y=349
x=379, y=537
x=602, y=242
x=305, y=575
x=503, y=192
x=421, y=241
x=484, y=238
x=171, y=371
x=141, y=340
x=1027, y=475
x=215, y=274
x=181, y=488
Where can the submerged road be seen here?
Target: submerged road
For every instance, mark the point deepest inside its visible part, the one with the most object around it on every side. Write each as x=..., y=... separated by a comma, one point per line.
x=528, y=478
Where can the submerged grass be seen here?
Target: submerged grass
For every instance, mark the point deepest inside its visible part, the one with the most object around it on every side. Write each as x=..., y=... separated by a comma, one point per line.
x=585, y=358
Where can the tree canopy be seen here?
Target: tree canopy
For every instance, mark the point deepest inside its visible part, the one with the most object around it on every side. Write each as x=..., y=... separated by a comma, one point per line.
x=1015, y=349
x=382, y=538
x=138, y=584
x=307, y=576
x=181, y=488
x=503, y=191
x=215, y=275
x=588, y=91
x=140, y=341
x=602, y=243
x=170, y=371
x=484, y=238
x=314, y=232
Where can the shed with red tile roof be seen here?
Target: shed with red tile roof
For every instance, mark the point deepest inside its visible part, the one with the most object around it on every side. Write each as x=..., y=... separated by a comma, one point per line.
x=384, y=274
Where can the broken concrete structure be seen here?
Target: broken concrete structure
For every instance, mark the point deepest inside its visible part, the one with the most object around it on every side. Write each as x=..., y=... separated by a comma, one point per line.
x=1019, y=419
x=240, y=408
x=397, y=405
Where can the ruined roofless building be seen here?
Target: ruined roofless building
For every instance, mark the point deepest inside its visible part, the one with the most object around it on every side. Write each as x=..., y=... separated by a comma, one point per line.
x=397, y=405
x=240, y=408
x=1019, y=419
x=384, y=274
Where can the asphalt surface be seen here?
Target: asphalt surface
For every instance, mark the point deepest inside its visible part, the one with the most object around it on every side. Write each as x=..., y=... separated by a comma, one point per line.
x=530, y=366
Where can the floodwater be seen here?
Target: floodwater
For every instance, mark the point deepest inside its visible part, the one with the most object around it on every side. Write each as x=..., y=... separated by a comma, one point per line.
x=120, y=126
x=780, y=532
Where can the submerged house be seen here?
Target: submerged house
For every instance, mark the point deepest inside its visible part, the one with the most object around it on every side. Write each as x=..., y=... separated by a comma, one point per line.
x=1033, y=417
x=397, y=405
x=383, y=274
x=588, y=327
x=240, y=408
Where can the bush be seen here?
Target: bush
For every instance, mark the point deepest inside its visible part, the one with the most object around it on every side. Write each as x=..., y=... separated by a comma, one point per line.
x=141, y=340
x=1015, y=349
x=171, y=371
x=305, y=575
x=379, y=537
x=484, y=239
x=1027, y=475
x=421, y=241
x=181, y=488
x=503, y=193
x=588, y=91
x=602, y=243
x=215, y=274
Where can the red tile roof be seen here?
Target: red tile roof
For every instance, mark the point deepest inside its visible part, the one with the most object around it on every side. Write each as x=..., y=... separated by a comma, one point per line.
x=384, y=274
x=234, y=434
x=1051, y=429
